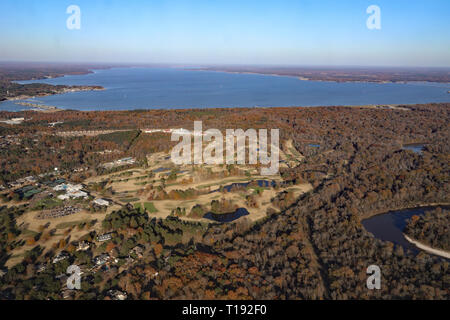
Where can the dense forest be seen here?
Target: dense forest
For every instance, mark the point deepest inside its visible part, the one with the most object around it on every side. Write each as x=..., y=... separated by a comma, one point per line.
x=316, y=248
x=432, y=229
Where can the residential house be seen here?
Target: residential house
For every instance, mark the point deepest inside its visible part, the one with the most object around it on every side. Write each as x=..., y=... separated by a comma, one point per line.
x=101, y=259
x=117, y=295
x=101, y=202
x=104, y=237
x=61, y=256
x=83, y=245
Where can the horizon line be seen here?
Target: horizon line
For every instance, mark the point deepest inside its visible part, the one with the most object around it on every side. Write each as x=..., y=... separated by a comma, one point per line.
x=188, y=64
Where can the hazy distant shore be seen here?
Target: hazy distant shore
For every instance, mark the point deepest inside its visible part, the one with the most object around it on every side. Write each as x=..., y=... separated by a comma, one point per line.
x=342, y=75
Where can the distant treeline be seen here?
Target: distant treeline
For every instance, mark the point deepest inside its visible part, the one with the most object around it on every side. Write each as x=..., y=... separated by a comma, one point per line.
x=10, y=72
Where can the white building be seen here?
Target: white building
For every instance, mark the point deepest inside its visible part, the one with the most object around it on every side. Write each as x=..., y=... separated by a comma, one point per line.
x=61, y=256
x=117, y=295
x=68, y=187
x=73, y=195
x=72, y=191
x=101, y=202
x=14, y=121
x=104, y=237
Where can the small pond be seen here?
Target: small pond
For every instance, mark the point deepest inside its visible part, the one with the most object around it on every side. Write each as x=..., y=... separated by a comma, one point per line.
x=414, y=147
x=260, y=183
x=161, y=170
x=227, y=217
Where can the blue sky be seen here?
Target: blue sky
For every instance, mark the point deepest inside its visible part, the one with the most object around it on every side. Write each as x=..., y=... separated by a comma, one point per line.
x=284, y=32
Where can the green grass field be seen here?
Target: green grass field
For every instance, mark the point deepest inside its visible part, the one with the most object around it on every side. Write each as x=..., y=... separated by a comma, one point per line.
x=149, y=206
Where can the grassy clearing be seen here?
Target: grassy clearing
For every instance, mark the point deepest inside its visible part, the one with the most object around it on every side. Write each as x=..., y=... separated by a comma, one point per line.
x=150, y=207
x=138, y=205
x=47, y=203
x=29, y=233
x=122, y=138
x=64, y=225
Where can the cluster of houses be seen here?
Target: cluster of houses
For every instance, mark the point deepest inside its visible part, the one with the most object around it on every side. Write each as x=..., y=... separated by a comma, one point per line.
x=71, y=191
x=101, y=262
x=22, y=181
x=29, y=186
x=28, y=191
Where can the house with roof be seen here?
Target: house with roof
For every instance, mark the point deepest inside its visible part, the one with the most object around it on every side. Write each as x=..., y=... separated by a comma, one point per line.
x=117, y=295
x=60, y=257
x=101, y=202
x=101, y=259
x=104, y=237
x=83, y=246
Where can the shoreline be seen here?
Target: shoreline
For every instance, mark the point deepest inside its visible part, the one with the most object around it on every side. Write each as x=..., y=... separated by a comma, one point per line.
x=422, y=205
x=388, y=107
x=426, y=248
x=298, y=76
x=44, y=108
x=303, y=78
x=65, y=90
x=69, y=89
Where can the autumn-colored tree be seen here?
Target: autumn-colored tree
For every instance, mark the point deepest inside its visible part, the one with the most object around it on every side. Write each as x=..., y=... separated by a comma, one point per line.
x=157, y=248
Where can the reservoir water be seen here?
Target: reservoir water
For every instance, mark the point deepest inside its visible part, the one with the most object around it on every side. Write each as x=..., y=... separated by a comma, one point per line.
x=169, y=88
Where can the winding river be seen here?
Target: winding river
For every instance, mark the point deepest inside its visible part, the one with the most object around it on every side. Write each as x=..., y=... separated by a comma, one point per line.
x=389, y=226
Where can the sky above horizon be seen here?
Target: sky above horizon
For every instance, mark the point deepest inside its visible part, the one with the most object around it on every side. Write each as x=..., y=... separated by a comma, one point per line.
x=283, y=32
